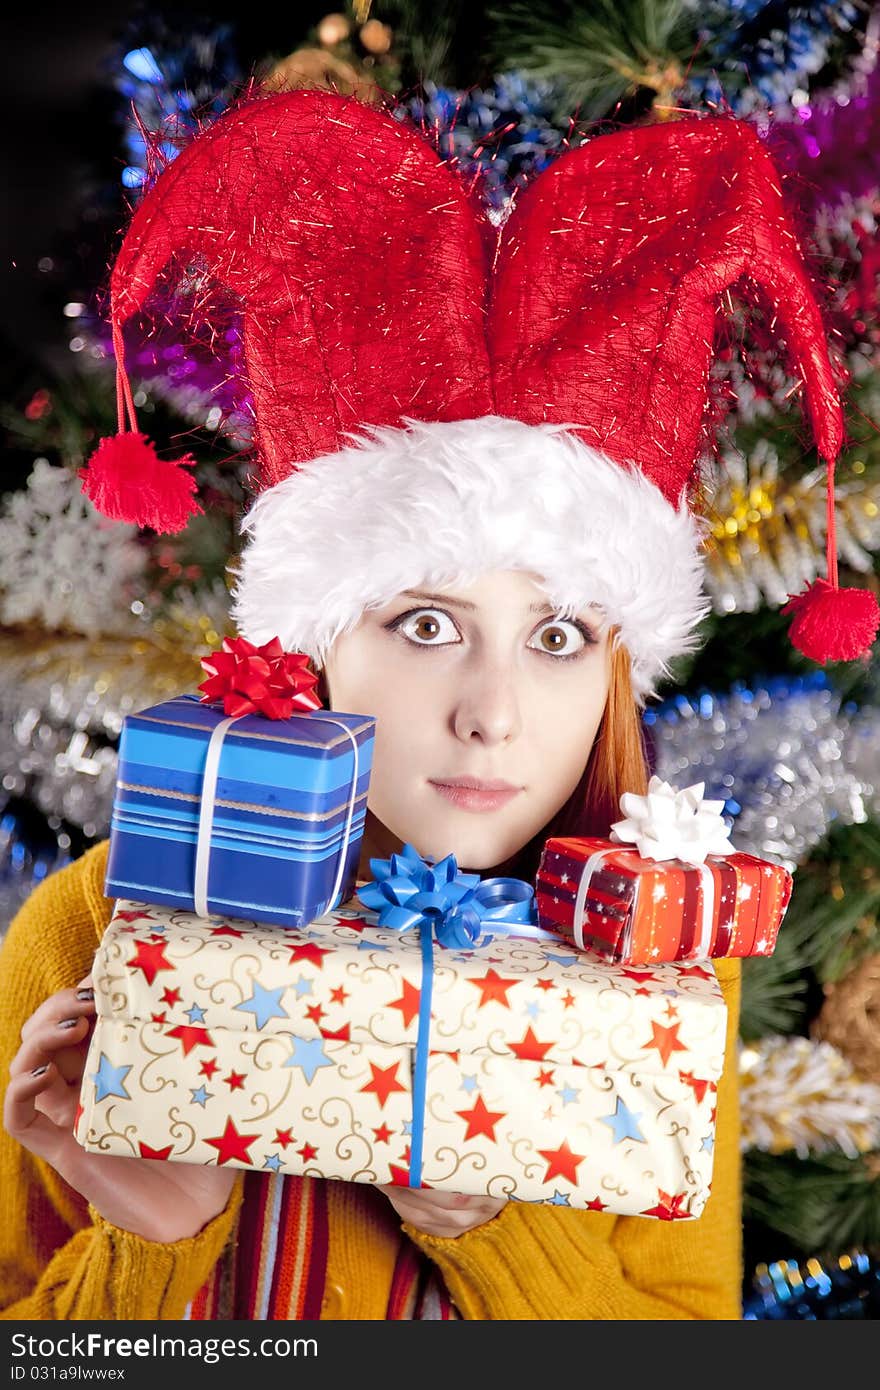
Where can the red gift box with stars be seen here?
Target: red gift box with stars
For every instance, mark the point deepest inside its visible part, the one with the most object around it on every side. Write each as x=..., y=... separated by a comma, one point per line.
x=603, y=895
x=552, y=1075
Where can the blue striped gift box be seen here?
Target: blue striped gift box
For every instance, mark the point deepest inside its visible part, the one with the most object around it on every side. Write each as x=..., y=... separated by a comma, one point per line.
x=283, y=798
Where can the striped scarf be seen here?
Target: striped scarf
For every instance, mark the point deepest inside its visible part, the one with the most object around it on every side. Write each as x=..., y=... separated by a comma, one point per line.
x=277, y=1268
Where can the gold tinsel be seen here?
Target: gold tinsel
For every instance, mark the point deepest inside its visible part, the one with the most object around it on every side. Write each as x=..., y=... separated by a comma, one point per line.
x=802, y=1094
x=850, y=1017
x=768, y=533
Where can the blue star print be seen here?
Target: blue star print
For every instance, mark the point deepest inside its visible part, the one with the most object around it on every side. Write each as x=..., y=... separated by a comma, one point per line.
x=468, y=1083
x=309, y=1055
x=371, y=946
x=624, y=1123
x=264, y=1004
x=195, y=1014
x=561, y=960
x=560, y=1199
x=302, y=986
x=110, y=1080
x=200, y=1096
x=532, y=1009
x=272, y=1161
x=708, y=1143
x=568, y=1094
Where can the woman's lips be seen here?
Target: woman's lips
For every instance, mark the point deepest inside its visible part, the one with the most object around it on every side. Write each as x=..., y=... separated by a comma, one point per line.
x=470, y=794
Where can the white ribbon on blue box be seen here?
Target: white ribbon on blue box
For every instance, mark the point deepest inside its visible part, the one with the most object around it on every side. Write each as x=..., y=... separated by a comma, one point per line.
x=251, y=817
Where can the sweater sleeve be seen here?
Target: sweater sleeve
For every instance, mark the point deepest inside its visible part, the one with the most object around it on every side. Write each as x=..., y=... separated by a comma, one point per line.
x=59, y=1259
x=546, y=1262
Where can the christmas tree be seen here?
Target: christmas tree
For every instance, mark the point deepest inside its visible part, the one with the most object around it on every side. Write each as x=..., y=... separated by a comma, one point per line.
x=792, y=750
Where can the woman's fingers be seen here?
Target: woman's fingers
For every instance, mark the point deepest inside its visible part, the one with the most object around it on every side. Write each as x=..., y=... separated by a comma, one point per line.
x=55, y=1040
x=22, y=1117
x=67, y=1003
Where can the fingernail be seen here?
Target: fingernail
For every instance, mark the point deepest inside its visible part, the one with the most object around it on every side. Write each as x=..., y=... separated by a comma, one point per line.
x=39, y=1071
x=68, y=1023
x=84, y=995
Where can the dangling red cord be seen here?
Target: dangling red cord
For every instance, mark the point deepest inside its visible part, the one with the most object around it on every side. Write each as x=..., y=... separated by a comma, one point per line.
x=830, y=623
x=126, y=479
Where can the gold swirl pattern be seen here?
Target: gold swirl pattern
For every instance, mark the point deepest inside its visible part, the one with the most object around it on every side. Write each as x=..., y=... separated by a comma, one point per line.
x=552, y=1075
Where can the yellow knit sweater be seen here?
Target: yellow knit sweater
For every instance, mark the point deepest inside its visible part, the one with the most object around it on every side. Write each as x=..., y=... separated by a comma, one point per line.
x=59, y=1259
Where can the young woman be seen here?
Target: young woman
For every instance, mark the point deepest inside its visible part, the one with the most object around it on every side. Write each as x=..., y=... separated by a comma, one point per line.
x=499, y=588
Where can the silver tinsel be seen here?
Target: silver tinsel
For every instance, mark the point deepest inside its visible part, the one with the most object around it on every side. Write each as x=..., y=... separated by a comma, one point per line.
x=786, y=759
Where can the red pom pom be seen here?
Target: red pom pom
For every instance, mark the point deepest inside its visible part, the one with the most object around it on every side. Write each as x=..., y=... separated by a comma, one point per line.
x=127, y=481
x=833, y=624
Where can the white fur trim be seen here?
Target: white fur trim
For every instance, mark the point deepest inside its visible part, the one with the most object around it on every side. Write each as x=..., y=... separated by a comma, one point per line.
x=439, y=504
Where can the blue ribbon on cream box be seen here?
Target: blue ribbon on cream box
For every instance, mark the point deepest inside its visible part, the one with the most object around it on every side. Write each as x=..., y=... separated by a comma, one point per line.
x=239, y=817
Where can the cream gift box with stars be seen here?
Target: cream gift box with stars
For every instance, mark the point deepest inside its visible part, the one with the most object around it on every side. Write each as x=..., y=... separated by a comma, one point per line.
x=552, y=1076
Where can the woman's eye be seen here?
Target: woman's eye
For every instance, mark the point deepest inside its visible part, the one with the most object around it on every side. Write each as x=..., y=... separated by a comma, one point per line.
x=428, y=627
x=561, y=638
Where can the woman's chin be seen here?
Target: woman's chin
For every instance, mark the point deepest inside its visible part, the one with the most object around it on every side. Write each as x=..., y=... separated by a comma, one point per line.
x=475, y=847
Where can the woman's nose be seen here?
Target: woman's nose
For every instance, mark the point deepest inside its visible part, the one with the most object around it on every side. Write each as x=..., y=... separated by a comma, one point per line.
x=487, y=706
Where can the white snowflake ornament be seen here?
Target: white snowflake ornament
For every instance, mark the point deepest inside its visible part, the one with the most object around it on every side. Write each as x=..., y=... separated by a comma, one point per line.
x=61, y=563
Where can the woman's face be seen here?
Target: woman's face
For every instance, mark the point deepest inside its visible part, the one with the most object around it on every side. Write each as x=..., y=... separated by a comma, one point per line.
x=473, y=686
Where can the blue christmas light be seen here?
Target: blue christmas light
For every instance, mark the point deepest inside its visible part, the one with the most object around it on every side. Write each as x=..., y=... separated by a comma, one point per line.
x=142, y=65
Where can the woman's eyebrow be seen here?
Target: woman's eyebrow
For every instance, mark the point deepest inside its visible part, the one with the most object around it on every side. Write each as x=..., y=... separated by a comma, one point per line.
x=463, y=603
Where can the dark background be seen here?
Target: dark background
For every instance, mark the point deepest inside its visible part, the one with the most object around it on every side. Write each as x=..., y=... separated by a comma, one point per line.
x=61, y=155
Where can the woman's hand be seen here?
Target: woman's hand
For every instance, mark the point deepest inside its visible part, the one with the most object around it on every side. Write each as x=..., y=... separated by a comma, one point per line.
x=441, y=1213
x=160, y=1201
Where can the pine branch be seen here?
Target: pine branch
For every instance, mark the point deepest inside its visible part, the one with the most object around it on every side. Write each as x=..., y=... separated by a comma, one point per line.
x=597, y=53
x=819, y=1204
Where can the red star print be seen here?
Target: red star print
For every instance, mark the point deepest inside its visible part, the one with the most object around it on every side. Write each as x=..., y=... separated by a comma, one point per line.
x=310, y=952
x=356, y=923
x=315, y=1013
x=383, y=1134
x=562, y=1163
x=307, y=1153
x=338, y=995
x=480, y=1120
x=384, y=1082
x=640, y=975
x=399, y=1176
x=545, y=984
x=408, y=1003
x=157, y=936
x=235, y=1080
x=668, y=1208
x=170, y=996
x=150, y=957
x=595, y=1205
x=698, y=1087
x=665, y=1040
x=230, y=1144
x=545, y=1078
x=441, y=1052
x=337, y=1034
x=646, y=993
x=157, y=1018
x=130, y=916
x=493, y=987
x=208, y=1068
x=529, y=1049
x=226, y=931
x=147, y=1152
x=80, y=1111
x=283, y=1137
x=190, y=1037
x=569, y=1000
x=697, y=971
x=671, y=1011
